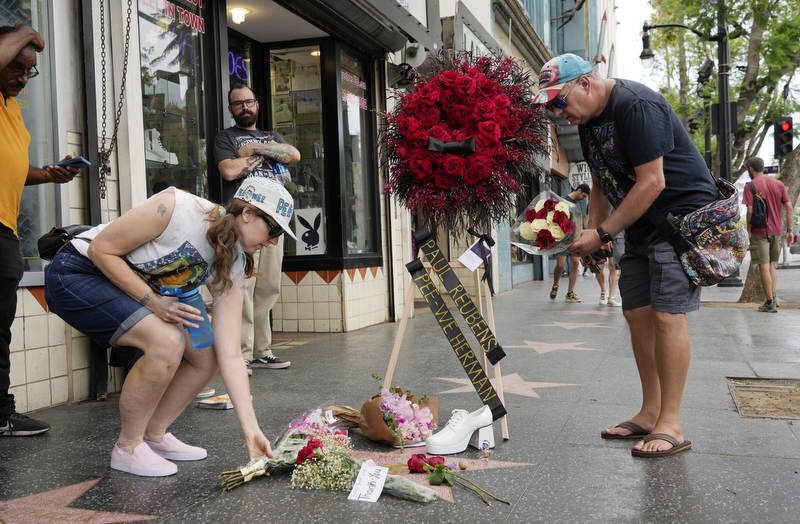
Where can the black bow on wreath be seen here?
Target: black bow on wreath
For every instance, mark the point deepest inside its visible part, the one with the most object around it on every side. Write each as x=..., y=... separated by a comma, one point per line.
x=487, y=267
x=465, y=147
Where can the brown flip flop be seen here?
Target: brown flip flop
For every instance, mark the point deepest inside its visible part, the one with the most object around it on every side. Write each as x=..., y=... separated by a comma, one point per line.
x=677, y=447
x=637, y=431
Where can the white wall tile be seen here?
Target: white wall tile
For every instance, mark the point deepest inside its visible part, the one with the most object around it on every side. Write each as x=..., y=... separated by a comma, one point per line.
x=17, y=375
x=305, y=294
x=322, y=326
x=20, y=398
x=58, y=361
x=31, y=306
x=289, y=294
x=57, y=329
x=277, y=324
x=59, y=390
x=334, y=310
x=290, y=311
x=305, y=311
x=305, y=326
x=36, y=365
x=81, y=353
x=320, y=311
x=290, y=326
x=39, y=395
x=277, y=311
x=321, y=293
x=333, y=293
x=17, y=335
x=81, y=384
x=35, y=331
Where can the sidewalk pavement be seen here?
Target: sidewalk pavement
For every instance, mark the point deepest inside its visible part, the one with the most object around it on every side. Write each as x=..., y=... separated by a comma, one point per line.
x=568, y=373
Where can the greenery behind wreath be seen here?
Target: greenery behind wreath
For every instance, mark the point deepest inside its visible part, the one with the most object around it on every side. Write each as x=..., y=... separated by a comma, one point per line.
x=461, y=97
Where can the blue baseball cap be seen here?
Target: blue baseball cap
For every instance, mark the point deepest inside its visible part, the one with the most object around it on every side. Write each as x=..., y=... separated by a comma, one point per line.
x=558, y=72
x=270, y=197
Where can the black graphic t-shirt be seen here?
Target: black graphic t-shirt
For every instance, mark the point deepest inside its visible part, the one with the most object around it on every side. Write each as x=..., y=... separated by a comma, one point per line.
x=226, y=146
x=638, y=126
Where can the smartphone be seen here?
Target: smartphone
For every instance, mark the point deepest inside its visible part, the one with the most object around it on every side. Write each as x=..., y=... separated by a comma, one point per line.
x=78, y=162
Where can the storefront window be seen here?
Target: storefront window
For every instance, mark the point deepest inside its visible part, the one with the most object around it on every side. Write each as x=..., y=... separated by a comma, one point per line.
x=297, y=116
x=171, y=37
x=240, y=62
x=360, y=220
x=37, y=208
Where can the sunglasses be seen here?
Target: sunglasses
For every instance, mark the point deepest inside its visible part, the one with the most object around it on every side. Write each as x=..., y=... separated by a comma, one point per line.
x=274, y=231
x=561, y=103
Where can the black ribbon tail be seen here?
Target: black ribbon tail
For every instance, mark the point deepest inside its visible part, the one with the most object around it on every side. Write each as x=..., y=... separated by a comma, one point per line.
x=487, y=267
x=465, y=354
x=464, y=147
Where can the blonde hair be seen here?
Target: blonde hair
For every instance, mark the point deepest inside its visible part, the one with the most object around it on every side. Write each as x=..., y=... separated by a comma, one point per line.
x=222, y=236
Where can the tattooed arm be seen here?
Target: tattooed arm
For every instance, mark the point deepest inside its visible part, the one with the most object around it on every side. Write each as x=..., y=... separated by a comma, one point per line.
x=283, y=153
x=251, y=156
x=134, y=228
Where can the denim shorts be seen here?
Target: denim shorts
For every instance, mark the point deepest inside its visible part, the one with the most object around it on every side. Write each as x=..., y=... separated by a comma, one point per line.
x=78, y=292
x=653, y=276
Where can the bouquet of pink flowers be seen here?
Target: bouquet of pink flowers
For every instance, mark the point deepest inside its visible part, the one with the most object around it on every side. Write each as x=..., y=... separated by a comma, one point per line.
x=406, y=417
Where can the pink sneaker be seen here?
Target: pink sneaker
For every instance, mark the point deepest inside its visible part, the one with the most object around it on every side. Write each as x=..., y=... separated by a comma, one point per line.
x=173, y=449
x=143, y=462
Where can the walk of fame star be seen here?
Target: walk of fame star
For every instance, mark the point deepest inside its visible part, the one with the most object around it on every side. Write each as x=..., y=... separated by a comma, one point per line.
x=544, y=347
x=51, y=506
x=444, y=491
x=512, y=383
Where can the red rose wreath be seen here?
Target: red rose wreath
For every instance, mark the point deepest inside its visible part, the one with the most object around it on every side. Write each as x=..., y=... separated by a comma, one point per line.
x=462, y=97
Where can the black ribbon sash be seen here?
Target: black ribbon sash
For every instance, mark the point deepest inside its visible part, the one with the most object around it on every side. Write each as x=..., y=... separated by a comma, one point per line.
x=489, y=344
x=461, y=347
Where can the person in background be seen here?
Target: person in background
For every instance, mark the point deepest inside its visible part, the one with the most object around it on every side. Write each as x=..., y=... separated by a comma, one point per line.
x=109, y=283
x=766, y=241
x=18, y=48
x=580, y=193
x=243, y=151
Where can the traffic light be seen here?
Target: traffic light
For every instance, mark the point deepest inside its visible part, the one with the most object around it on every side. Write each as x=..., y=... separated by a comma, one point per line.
x=783, y=133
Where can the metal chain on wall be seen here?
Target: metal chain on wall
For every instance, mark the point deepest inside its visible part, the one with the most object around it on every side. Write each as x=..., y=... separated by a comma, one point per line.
x=105, y=152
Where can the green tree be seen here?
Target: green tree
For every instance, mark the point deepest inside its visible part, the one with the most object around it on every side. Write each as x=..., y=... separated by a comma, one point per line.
x=764, y=59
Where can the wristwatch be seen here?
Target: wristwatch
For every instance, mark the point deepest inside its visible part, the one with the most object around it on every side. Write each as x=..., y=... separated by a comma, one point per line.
x=605, y=237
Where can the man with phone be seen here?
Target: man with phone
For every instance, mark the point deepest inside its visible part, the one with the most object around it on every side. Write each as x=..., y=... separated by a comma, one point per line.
x=18, y=48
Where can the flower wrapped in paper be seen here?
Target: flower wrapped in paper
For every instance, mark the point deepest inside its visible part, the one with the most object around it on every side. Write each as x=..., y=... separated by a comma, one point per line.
x=549, y=225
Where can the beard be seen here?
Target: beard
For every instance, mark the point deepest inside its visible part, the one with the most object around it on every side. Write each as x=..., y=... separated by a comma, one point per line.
x=246, y=118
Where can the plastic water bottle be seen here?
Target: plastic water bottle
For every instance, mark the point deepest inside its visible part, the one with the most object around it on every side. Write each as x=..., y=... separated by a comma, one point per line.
x=281, y=171
x=202, y=336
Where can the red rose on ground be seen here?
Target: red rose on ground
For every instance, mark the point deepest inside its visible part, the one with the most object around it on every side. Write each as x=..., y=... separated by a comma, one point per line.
x=568, y=227
x=415, y=463
x=434, y=461
x=545, y=239
x=530, y=215
x=550, y=205
x=559, y=217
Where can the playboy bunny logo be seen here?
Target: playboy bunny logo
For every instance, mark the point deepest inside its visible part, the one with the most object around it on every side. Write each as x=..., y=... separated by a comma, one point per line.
x=311, y=236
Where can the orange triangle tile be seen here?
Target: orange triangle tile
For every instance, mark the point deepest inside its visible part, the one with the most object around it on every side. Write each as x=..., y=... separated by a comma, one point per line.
x=363, y=272
x=296, y=276
x=374, y=271
x=328, y=275
x=38, y=294
x=352, y=274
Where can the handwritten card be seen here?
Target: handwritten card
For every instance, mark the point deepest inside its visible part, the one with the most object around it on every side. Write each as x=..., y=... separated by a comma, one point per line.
x=369, y=484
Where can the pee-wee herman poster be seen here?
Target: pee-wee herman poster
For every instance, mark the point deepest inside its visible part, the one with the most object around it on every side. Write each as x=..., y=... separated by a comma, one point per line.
x=308, y=228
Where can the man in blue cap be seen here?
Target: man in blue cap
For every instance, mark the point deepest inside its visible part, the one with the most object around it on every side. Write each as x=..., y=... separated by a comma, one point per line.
x=628, y=130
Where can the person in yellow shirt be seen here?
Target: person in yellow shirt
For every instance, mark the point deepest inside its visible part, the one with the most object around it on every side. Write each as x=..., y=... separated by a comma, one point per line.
x=18, y=48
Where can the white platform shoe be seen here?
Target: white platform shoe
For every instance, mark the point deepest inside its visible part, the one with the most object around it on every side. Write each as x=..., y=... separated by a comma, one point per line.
x=462, y=429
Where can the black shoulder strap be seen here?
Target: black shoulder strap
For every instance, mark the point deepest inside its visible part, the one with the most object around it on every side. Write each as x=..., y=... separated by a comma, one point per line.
x=664, y=226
